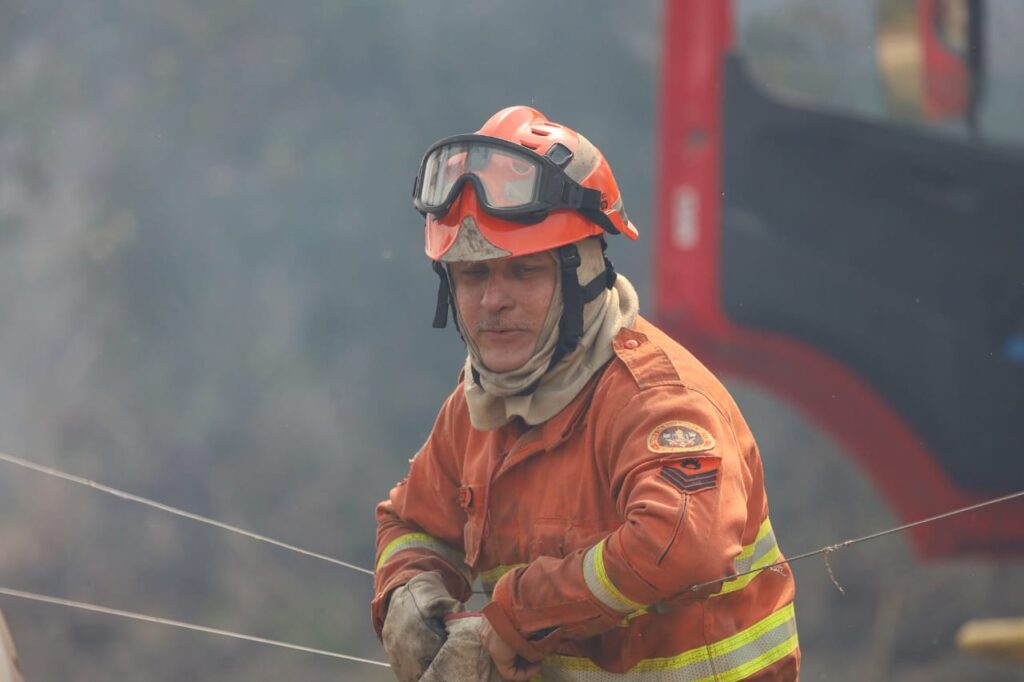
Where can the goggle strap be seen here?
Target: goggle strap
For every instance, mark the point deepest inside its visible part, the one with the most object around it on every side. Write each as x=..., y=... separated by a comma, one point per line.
x=598, y=217
x=574, y=195
x=590, y=200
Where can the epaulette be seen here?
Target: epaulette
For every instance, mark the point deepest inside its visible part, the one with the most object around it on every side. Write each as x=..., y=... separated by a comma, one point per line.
x=647, y=362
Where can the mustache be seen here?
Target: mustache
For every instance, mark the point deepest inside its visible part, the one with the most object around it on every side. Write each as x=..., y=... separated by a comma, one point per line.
x=493, y=325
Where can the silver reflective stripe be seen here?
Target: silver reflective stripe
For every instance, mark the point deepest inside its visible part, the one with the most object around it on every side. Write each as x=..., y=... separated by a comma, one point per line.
x=601, y=586
x=734, y=658
x=760, y=549
x=763, y=552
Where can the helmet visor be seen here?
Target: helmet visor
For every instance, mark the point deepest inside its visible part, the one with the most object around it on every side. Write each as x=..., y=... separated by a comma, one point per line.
x=505, y=178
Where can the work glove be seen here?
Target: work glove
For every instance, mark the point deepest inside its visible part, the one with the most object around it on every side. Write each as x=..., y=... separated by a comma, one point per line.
x=462, y=658
x=9, y=671
x=414, y=629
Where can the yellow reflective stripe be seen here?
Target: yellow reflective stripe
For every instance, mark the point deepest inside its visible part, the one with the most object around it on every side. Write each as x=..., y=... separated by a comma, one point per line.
x=764, y=531
x=421, y=541
x=739, y=583
x=755, y=631
x=489, y=578
x=601, y=586
x=769, y=640
x=773, y=655
x=624, y=623
x=764, y=551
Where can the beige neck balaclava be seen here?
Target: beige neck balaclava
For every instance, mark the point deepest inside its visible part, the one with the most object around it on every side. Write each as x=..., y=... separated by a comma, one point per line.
x=496, y=399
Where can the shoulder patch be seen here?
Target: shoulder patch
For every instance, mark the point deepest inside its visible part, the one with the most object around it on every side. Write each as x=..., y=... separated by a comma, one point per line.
x=679, y=436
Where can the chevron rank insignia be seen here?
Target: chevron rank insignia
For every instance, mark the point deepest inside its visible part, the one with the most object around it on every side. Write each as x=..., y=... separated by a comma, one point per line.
x=677, y=436
x=692, y=475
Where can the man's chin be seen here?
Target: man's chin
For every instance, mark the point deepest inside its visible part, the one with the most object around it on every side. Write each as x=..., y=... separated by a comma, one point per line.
x=504, y=362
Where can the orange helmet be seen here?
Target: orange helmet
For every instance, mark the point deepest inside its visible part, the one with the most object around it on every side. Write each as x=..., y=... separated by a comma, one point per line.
x=519, y=185
x=528, y=185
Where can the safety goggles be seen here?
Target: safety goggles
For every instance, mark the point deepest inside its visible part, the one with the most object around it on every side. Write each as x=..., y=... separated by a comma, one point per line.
x=511, y=182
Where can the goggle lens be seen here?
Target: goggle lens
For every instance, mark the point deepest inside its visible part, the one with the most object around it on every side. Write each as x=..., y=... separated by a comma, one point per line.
x=508, y=180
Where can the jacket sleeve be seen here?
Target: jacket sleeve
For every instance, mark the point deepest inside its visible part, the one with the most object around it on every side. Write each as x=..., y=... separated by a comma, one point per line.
x=680, y=486
x=420, y=525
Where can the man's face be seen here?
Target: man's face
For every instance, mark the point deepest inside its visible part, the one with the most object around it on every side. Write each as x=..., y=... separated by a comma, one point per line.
x=502, y=305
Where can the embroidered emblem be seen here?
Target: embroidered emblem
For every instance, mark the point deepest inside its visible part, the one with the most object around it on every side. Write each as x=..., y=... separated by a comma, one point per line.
x=692, y=475
x=679, y=436
x=465, y=497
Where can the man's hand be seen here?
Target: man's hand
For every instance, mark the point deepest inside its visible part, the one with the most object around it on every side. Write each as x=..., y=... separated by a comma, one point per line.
x=463, y=657
x=510, y=666
x=414, y=627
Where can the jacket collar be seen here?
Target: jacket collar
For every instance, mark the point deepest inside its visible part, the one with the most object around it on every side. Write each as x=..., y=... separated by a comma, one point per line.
x=553, y=432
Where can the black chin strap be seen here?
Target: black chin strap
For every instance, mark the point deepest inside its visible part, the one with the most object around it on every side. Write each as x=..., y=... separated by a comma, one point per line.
x=445, y=299
x=574, y=298
x=570, y=326
x=444, y=293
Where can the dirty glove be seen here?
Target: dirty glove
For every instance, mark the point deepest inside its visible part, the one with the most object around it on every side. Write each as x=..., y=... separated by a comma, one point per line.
x=463, y=657
x=414, y=627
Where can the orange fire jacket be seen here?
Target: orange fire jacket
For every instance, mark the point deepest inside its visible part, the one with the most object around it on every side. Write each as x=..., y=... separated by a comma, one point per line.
x=588, y=530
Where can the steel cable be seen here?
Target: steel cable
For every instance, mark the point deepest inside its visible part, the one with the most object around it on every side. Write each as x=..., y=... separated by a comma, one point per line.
x=179, y=624
x=828, y=549
x=49, y=471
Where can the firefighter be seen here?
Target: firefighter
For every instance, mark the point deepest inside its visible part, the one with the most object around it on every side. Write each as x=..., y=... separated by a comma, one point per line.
x=586, y=468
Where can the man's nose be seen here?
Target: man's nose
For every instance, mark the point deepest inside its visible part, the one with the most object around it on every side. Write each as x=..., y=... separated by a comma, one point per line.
x=497, y=295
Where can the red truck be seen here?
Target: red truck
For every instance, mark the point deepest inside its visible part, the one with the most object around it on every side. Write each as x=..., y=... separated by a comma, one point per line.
x=841, y=221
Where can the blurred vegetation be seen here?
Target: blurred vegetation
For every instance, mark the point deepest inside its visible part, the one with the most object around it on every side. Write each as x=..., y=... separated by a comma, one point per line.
x=214, y=294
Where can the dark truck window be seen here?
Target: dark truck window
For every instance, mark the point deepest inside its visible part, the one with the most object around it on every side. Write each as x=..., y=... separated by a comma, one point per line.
x=888, y=238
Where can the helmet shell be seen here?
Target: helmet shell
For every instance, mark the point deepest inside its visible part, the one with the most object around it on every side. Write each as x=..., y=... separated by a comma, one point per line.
x=530, y=128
